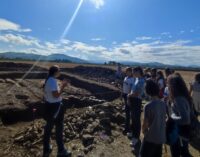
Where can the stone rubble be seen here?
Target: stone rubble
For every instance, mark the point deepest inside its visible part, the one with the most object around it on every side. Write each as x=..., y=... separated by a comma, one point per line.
x=94, y=123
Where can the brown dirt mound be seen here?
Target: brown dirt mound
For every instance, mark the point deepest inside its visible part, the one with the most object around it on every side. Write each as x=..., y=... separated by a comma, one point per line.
x=12, y=66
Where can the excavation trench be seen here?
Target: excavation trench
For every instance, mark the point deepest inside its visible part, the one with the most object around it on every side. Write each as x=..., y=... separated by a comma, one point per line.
x=32, y=110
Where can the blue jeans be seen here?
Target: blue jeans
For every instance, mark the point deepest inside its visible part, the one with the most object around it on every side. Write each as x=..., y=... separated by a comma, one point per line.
x=127, y=112
x=50, y=111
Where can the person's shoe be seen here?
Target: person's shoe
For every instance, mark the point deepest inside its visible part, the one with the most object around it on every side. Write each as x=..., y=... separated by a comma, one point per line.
x=134, y=142
x=64, y=153
x=136, y=148
x=125, y=131
x=129, y=135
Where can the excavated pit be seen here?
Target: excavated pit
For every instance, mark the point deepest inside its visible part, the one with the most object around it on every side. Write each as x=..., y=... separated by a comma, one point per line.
x=29, y=94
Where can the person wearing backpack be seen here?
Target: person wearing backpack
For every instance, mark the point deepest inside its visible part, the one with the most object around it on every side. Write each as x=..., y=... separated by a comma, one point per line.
x=180, y=113
x=54, y=112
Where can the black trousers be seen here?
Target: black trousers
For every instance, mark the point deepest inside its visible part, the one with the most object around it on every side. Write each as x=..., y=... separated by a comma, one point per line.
x=135, y=107
x=149, y=149
x=180, y=148
x=127, y=113
x=54, y=115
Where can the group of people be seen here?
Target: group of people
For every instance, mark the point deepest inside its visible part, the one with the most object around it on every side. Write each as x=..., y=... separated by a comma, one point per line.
x=167, y=115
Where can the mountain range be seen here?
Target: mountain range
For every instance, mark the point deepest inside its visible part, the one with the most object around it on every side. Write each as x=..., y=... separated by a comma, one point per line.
x=31, y=56
x=66, y=58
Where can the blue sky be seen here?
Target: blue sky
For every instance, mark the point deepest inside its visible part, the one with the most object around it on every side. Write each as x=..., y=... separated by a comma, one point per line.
x=166, y=31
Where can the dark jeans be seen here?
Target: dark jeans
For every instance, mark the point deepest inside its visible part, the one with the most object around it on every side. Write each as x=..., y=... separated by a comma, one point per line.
x=51, y=110
x=127, y=112
x=135, y=107
x=180, y=149
x=149, y=149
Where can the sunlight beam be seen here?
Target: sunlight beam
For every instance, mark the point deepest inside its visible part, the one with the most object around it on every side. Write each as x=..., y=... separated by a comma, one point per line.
x=71, y=20
x=62, y=37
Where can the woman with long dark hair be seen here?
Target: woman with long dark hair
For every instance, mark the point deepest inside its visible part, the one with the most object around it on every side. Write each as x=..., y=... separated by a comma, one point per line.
x=179, y=112
x=54, y=112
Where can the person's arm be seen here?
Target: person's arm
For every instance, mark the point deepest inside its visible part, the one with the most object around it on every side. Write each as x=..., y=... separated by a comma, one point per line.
x=134, y=94
x=57, y=93
x=137, y=90
x=191, y=89
x=145, y=124
x=177, y=110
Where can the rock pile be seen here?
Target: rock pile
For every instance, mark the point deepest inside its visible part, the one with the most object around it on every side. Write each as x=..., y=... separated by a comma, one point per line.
x=29, y=137
x=88, y=126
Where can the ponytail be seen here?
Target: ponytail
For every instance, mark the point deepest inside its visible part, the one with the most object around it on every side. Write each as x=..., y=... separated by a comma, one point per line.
x=52, y=71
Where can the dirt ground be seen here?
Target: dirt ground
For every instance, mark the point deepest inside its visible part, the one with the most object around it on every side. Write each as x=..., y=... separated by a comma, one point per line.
x=187, y=75
x=94, y=117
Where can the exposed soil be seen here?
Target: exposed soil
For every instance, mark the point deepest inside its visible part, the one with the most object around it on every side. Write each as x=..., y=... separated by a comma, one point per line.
x=98, y=74
x=94, y=113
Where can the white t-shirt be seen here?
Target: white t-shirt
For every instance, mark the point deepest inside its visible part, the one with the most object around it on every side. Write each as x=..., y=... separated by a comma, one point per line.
x=161, y=83
x=128, y=84
x=50, y=86
x=166, y=92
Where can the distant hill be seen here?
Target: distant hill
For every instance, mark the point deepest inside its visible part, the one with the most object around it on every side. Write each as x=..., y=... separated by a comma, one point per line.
x=158, y=65
x=31, y=56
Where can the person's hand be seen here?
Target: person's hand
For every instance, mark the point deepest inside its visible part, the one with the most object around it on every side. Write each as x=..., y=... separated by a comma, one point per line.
x=65, y=82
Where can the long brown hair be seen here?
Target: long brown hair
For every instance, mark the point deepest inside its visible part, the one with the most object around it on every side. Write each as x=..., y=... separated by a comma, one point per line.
x=52, y=71
x=177, y=87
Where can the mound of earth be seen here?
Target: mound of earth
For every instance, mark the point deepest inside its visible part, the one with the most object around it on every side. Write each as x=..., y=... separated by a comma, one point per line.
x=98, y=74
x=93, y=121
x=11, y=66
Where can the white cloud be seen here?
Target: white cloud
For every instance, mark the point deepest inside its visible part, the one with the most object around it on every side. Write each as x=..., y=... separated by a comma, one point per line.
x=6, y=25
x=177, y=52
x=144, y=38
x=165, y=33
x=19, y=40
x=97, y=39
x=79, y=46
x=181, y=52
x=51, y=45
x=98, y=3
x=65, y=41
